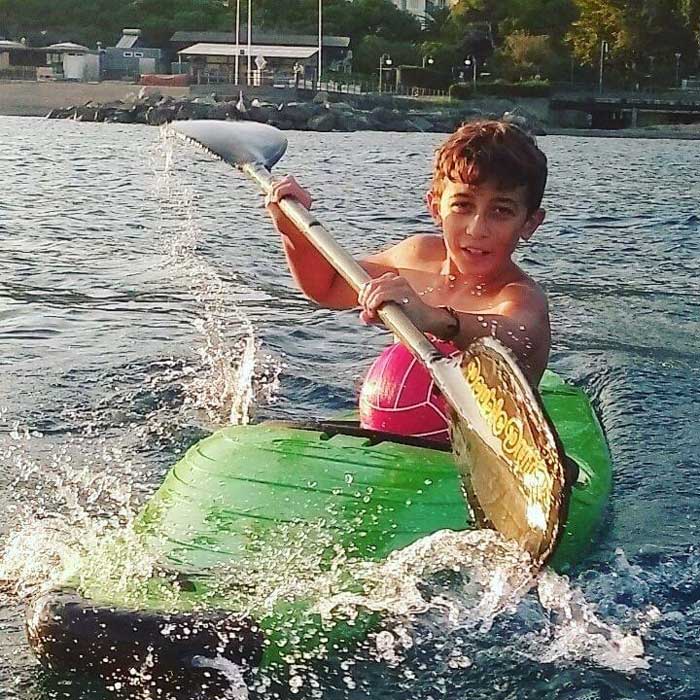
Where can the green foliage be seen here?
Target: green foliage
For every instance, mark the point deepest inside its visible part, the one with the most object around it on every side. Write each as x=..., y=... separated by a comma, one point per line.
x=371, y=48
x=643, y=35
x=354, y=19
x=103, y=20
x=523, y=56
x=501, y=88
x=416, y=76
x=444, y=54
x=551, y=18
x=638, y=33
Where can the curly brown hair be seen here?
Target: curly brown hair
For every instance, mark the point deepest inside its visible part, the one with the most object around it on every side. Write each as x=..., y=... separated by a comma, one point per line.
x=491, y=150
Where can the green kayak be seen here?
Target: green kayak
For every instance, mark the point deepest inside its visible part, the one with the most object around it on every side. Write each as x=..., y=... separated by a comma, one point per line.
x=247, y=492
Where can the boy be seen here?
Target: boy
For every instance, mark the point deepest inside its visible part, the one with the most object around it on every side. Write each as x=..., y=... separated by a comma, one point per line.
x=488, y=182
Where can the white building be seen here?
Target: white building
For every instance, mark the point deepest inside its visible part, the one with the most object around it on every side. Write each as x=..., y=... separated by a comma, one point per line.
x=420, y=8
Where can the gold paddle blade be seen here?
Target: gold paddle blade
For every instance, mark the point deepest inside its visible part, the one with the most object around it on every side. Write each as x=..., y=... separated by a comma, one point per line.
x=510, y=457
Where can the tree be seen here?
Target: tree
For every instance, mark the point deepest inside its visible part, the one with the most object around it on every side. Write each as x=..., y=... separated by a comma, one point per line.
x=634, y=31
x=552, y=18
x=371, y=48
x=524, y=56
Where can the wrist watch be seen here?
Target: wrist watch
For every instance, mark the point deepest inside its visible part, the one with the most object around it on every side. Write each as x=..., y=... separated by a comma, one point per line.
x=453, y=329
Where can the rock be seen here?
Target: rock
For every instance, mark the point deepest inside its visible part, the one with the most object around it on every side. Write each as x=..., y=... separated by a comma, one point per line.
x=155, y=116
x=524, y=120
x=321, y=98
x=190, y=110
x=421, y=123
x=262, y=113
x=572, y=119
x=208, y=100
x=342, y=107
x=146, y=96
x=85, y=113
x=348, y=121
x=61, y=113
x=443, y=128
x=122, y=116
x=299, y=112
x=281, y=123
x=322, y=122
x=381, y=116
x=409, y=126
x=223, y=110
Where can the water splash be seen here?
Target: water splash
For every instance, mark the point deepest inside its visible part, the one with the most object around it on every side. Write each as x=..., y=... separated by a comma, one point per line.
x=237, y=690
x=69, y=502
x=232, y=376
x=576, y=631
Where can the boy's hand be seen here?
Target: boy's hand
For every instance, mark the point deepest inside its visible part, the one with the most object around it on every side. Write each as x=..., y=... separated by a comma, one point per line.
x=392, y=287
x=286, y=187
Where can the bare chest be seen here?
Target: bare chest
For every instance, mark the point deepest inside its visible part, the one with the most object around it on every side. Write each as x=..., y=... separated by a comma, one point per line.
x=440, y=290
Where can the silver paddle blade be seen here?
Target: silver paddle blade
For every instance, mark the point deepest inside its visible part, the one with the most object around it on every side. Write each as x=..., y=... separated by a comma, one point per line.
x=510, y=457
x=237, y=143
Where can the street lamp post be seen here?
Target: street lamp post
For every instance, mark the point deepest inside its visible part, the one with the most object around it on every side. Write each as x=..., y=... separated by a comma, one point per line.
x=603, y=54
x=428, y=61
x=384, y=64
x=471, y=62
x=320, y=40
x=238, y=40
x=250, y=38
x=678, y=68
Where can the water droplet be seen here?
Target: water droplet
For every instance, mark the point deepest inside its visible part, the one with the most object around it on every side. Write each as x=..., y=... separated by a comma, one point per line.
x=349, y=478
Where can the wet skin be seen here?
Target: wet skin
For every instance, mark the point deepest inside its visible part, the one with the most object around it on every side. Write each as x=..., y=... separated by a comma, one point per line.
x=468, y=268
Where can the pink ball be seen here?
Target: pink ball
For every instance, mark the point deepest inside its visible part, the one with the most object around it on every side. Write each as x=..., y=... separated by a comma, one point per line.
x=399, y=396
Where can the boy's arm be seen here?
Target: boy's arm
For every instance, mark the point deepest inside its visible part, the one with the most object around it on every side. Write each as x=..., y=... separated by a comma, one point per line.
x=520, y=320
x=313, y=274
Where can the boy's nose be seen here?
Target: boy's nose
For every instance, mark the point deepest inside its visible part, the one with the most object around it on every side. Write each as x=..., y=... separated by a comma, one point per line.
x=477, y=226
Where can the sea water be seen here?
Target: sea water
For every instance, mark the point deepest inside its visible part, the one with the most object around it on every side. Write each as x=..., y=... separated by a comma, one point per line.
x=144, y=301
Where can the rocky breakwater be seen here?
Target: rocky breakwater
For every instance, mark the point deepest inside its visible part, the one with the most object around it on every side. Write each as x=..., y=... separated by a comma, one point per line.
x=366, y=114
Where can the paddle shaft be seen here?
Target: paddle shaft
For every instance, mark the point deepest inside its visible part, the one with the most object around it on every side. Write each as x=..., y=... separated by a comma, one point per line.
x=391, y=314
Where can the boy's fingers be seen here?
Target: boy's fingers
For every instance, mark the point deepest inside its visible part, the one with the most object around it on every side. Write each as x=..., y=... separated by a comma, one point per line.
x=368, y=317
x=285, y=188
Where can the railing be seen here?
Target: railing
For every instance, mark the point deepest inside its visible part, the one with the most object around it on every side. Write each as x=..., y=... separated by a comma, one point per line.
x=18, y=73
x=325, y=86
x=272, y=79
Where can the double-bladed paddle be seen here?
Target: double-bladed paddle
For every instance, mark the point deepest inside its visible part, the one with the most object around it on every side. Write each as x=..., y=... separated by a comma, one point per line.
x=506, y=448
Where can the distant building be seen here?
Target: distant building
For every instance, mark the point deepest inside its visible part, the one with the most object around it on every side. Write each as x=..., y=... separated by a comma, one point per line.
x=421, y=8
x=131, y=58
x=61, y=61
x=211, y=56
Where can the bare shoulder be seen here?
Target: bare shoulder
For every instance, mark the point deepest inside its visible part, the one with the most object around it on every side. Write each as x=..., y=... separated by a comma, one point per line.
x=524, y=296
x=419, y=251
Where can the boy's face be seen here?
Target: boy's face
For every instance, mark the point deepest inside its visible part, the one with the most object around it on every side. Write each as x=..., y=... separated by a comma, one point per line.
x=482, y=224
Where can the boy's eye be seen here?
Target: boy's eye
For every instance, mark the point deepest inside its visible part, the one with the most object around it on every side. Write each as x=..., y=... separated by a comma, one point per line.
x=503, y=211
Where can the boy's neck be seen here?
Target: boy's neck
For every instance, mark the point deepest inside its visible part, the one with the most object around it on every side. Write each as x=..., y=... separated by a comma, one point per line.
x=453, y=277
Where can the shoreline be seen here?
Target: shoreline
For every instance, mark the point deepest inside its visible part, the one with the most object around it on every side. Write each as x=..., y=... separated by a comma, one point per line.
x=119, y=102
x=685, y=132
x=691, y=132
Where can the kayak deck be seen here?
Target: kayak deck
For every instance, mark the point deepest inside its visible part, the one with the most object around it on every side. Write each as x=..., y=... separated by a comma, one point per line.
x=246, y=494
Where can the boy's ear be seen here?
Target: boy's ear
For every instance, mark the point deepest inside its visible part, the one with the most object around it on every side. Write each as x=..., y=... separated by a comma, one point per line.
x=433, y=203
x=532, y=224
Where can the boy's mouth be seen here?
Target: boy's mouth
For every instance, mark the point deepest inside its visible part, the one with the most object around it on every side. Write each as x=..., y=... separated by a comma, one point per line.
x=475, y=251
